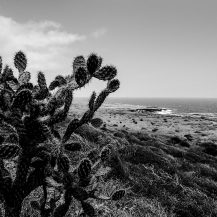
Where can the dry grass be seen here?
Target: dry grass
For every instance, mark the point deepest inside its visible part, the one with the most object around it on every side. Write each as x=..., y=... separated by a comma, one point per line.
x=162, y=178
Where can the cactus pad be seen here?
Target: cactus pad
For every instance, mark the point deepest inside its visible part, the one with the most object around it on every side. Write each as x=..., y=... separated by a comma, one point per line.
x=42, y=81
x=7, y=74
x=70, y=129
x=9, y=151
x=20, y=61
x=74, y=146
x=118, y=194
x=92, y=100
x=81, y=76
x=84, y=169
x=96, y=122
x=78, y=62
x=68, y=100
x=105, y=153
x=67, y=180
x=63, y=163
x=53, y=85
x=92, y=63
x=106, y=73
x=24, y=77
x=25, y=86
x=113, y=85
x=7, y=129
x=57, y=82
x=93, y=155
x=23, y=98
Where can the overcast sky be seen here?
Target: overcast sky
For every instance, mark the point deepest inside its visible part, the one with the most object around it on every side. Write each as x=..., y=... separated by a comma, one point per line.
x=161, y=48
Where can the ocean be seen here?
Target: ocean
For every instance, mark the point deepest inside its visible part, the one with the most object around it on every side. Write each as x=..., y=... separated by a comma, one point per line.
x=171, y=105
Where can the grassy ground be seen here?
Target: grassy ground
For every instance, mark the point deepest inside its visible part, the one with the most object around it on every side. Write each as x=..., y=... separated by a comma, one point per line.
x=164, y=174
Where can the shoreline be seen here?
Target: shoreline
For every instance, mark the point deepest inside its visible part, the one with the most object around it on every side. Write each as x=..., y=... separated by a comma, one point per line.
x=201, y=127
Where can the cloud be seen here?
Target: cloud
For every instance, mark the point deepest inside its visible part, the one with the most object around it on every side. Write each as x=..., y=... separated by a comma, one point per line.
x=45, y=43
x=100, y=32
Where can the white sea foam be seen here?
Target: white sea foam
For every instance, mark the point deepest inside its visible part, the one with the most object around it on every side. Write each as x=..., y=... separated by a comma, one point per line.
x=165, y=112
x=121, y=106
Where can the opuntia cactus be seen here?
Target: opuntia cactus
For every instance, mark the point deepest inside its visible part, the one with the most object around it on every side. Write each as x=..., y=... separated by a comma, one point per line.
x=28, y=131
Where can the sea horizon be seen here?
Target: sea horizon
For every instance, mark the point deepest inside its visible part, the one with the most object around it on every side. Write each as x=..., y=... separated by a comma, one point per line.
x=171, y=104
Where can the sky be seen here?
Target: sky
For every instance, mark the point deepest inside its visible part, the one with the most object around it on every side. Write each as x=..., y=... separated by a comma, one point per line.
x=161, y=48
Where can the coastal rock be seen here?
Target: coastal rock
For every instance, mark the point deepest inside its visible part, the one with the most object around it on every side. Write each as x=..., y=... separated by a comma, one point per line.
x=175, y=140
x=155, y=129
x=180, y=141
x=119, y=134
x=188, y=137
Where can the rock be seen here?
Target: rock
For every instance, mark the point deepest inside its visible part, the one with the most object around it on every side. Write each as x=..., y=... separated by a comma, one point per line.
x=155, y=129
x=119, y=134
x=188, y=137
x=176, y=140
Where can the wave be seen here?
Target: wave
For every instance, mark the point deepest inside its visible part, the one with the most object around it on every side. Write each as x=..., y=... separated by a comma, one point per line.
x=157, y=110
x=137, y=108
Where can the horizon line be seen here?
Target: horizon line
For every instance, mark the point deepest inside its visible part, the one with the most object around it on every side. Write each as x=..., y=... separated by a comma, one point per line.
x=155, y=97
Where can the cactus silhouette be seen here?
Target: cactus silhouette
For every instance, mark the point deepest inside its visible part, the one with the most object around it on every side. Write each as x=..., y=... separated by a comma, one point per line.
x=118, y=194
x=29, y=114
x=20, y=61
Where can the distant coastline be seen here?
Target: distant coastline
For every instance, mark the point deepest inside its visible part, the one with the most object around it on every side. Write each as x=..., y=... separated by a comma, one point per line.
x=163, y=105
